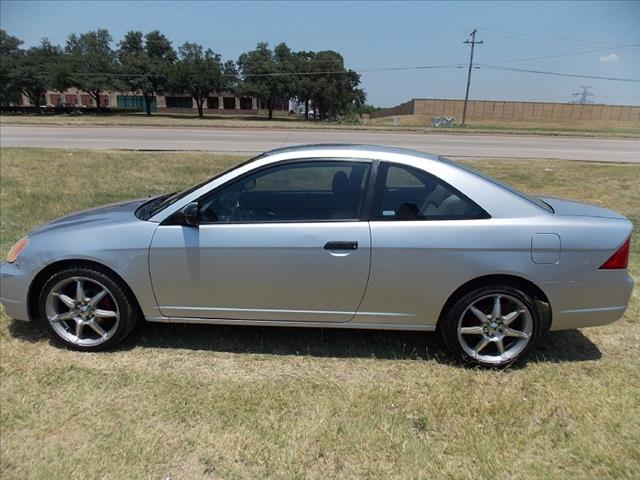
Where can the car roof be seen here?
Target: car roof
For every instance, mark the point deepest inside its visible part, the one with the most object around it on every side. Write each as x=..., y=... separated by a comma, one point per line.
x=349, y=147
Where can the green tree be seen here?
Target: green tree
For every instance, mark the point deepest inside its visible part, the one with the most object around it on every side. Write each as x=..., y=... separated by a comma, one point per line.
x=305, y=83
x=37, y=70
x=335, y=91
x=267, y=74
x=9, y=57
x=368, y=108
x=231, y=77
x=198, y=72
x=145, y=63
x=91, y=62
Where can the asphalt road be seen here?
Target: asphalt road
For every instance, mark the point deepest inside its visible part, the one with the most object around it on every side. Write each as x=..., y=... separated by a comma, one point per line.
x=255, y=141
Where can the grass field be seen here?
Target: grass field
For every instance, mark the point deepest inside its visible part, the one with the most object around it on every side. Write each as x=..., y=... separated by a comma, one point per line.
x=188, y=402
x=534, y=127
x=404, y=123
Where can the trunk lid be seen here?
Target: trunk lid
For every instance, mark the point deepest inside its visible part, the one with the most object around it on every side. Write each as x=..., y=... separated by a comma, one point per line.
x=562, y=206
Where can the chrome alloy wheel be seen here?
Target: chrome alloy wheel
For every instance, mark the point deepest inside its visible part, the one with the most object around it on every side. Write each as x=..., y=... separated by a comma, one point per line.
x=495, y=329
x=82, y=311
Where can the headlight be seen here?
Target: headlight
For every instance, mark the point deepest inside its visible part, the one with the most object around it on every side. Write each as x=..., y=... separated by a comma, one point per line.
x=17, y=249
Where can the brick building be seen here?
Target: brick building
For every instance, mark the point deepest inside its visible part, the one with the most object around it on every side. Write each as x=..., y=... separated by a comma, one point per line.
x=220, y=103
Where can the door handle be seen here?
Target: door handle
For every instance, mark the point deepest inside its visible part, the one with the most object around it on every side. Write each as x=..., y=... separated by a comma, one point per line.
x=341, y=246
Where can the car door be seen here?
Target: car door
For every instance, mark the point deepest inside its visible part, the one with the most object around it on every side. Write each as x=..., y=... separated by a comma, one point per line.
x=282, y=243
x=427, y=239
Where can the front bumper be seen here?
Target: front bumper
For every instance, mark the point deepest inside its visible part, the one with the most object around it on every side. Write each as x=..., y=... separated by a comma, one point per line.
x=15, y=279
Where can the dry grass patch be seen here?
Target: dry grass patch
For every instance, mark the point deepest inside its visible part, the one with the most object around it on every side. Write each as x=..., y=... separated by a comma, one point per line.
x=232, y=402
x=599, y=128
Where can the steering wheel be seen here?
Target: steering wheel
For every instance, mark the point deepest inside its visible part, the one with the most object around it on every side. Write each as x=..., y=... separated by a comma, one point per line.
x=228, y=207
x=232, y=206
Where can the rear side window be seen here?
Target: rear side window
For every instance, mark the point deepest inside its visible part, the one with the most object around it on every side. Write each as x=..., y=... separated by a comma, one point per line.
x=529, y=198
x=407, y=193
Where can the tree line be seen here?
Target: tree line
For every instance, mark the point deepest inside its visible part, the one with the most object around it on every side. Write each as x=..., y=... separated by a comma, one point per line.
x=148, y=64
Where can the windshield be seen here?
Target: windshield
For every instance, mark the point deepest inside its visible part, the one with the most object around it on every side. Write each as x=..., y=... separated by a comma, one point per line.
x=160, y=203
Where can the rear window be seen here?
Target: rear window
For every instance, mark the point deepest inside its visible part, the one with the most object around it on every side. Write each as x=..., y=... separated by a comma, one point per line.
x=407, y=193
x=529, y=198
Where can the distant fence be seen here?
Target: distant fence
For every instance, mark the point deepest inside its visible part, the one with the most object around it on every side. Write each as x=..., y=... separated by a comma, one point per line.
x=506, y=110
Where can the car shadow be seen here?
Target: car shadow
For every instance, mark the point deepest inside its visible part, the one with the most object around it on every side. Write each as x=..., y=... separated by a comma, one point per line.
x=563, y=346
x=554, y=347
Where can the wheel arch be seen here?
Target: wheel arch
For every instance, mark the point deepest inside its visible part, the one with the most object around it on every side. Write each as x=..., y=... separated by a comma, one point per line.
x=43, y=275
x=541, y=298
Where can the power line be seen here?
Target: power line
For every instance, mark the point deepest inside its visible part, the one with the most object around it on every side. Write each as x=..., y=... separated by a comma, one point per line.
x=473, y=43
x=285, y=74
x=558, y=74
x=535, y=67
x=411, y=67
x=383, y=69
x=553, y=97
x=362, y=70
x=563, y=54
x=551, y=37
x=345, y=36
x=99, y=74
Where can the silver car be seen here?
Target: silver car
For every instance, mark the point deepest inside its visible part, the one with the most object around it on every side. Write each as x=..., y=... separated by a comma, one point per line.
x=332, y=236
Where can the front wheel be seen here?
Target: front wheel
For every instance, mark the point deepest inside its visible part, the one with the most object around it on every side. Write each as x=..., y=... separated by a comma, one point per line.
x=86, y=309
x=491, y=326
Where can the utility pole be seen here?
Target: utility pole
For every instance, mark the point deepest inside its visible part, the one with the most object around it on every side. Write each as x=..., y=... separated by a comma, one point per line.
x=473, y=43
x=583, y=100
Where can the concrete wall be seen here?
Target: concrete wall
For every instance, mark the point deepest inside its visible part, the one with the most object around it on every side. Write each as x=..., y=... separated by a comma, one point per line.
x=506, y=110
x=402, y=109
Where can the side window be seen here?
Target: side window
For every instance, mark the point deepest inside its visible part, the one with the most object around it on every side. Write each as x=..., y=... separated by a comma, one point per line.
x=407, y=193
x=302, y=191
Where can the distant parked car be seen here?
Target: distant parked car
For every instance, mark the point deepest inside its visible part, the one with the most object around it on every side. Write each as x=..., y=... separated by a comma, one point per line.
x=65, y=107
x=330, y=236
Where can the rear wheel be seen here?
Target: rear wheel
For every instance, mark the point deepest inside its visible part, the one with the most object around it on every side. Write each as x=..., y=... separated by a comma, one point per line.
x=492, y=326
x=86, y=309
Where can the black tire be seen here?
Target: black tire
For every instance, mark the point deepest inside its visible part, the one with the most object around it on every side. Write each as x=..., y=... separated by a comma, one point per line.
x=460, y=315
x=117, y=298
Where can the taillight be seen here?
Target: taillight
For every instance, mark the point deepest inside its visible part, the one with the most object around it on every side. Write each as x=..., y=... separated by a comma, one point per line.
x=620, y=259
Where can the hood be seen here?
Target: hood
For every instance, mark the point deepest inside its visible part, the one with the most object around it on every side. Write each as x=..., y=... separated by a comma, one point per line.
x=114, y=213
x=570, y=207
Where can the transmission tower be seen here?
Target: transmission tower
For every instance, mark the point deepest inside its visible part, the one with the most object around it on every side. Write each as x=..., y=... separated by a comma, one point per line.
x=584, y=96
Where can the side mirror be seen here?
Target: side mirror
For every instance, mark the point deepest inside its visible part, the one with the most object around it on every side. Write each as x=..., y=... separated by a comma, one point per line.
x=191, y=214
